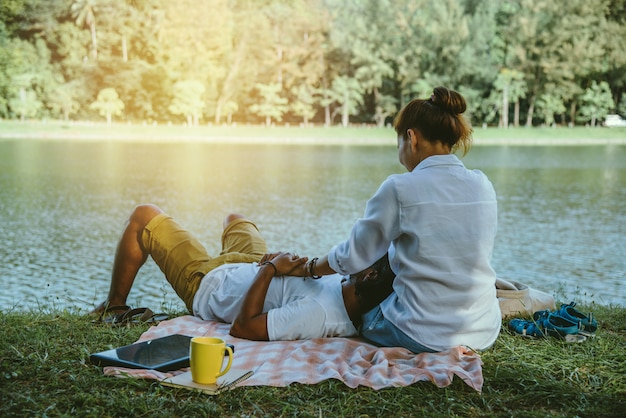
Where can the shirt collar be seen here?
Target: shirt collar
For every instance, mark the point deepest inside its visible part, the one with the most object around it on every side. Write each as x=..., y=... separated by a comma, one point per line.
x=438, y=160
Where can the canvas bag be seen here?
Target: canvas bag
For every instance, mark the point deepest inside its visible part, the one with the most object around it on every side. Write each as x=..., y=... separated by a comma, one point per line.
x=517, y=299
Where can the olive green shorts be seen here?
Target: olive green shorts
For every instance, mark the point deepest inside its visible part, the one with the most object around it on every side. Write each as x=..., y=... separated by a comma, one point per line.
x=185, y=261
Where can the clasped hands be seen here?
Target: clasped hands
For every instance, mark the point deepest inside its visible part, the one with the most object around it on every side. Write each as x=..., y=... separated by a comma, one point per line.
x=286, y=264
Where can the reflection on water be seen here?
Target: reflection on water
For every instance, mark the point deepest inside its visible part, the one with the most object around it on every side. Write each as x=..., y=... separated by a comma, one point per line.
x=63, y=206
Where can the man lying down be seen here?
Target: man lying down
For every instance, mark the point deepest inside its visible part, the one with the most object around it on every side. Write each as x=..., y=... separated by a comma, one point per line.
x=244, y=285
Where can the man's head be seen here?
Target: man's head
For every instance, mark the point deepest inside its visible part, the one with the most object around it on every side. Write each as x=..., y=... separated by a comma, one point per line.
x=373, y=284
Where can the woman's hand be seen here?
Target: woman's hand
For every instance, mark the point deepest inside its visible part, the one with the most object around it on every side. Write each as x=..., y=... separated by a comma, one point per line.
x=286, y=264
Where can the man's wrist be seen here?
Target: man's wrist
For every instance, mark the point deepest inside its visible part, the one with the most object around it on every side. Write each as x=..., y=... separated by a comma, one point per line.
x=269, y=263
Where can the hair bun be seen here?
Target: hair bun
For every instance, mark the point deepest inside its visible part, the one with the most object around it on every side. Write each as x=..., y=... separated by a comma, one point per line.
x=448, y=100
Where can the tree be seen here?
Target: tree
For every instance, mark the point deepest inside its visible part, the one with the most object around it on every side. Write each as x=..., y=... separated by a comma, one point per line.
x=229, y=108
x=187, y=100
x=558, y=44
x=549, y=104
x=83, y=12
x=27, y=77
x=367, y=41
x=225, y=50
x=348, y=93
x=108, y=103
x=596, y=102
x=304, y=104
x=386, y=106
x=511, y=85
x=63, y=101
x=621, y=108
x=395, y=50
x=25, y=103
x=272, y=105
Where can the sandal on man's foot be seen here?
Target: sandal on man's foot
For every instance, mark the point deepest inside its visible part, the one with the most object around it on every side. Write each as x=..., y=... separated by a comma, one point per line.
x=588, y=324
x=109, y=314
x=140, y=316
x=545, y=324
x=144, y=316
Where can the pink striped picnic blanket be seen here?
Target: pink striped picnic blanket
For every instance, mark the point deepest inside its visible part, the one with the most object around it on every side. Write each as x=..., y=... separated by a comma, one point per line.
x=350, y=360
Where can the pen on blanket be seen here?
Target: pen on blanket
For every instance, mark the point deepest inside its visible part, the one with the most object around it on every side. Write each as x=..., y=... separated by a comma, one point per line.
x=230, y=385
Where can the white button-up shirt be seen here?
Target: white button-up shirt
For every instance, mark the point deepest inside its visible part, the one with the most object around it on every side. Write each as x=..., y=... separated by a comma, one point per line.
x=438, y=223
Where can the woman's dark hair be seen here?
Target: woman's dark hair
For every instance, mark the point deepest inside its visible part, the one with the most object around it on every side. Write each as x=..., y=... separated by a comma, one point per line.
x=439, y=118
x=374, y=290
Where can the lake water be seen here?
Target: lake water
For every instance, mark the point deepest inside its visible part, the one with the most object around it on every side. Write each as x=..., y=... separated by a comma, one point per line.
x=562, y=216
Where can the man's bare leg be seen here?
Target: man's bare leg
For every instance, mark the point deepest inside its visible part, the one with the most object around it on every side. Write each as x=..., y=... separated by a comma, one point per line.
x=230, y=218
x=129, y=257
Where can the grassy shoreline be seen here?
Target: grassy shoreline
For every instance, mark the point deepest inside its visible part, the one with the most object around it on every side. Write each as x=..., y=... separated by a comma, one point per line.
x=354, y=135
x=46, y=372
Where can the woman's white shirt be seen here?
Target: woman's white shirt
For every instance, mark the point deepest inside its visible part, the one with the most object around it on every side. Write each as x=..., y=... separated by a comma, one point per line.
x=439, y=224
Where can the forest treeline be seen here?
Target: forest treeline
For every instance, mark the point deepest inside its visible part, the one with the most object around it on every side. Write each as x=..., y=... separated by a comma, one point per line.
x=517, y=62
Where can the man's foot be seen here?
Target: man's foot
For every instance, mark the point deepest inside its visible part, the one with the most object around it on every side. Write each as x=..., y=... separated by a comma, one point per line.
x=106, y=306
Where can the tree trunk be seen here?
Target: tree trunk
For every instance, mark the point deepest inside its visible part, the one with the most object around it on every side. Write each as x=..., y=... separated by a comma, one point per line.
x=225, y=94
x=531, y=109
x=504, y=117
x=572, y=113
x=516, y=115
x=218, y=112
x=345, y=117
x=94, y=41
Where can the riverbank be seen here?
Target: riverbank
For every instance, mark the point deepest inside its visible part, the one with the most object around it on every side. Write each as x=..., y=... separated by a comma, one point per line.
x=312, y=135
x=45, y=371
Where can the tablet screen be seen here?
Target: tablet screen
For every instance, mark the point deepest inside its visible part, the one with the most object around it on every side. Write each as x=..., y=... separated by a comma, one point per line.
x=163, y=354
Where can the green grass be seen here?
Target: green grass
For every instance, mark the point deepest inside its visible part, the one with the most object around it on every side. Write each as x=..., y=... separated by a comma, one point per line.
x=45, y=372
x=284, y=134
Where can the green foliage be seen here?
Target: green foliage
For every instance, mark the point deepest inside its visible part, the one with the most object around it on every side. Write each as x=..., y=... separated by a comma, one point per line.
x=187, y=100
x=63, y=100
x=597, y=102
x=25, y=103
x=304, y=105
x=272, y=105
x=391, y=51
x=548, y=105
x=108, y=103
x=511, y=85
x=348, y=93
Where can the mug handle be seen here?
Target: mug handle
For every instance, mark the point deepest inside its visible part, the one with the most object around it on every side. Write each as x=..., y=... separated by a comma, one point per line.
x=230, y=360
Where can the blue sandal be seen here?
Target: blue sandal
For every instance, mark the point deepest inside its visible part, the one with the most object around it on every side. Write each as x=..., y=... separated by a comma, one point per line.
x=546, y=323
x=587, y=323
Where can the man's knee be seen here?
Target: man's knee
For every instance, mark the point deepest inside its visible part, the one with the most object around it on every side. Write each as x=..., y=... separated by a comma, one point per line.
x=231, y=218
x=143, y=214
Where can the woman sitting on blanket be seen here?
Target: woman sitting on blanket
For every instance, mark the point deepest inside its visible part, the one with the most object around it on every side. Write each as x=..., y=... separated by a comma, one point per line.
x=261, y=300
x=438, y=224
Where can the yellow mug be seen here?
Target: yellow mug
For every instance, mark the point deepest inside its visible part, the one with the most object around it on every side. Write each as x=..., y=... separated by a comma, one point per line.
x=206, y=356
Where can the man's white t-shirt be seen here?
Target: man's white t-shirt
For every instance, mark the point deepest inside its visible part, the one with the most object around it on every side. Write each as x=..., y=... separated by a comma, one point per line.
x=297, y=309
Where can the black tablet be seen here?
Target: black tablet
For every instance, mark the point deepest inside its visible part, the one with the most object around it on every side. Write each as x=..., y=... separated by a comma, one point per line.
x=163, y=354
